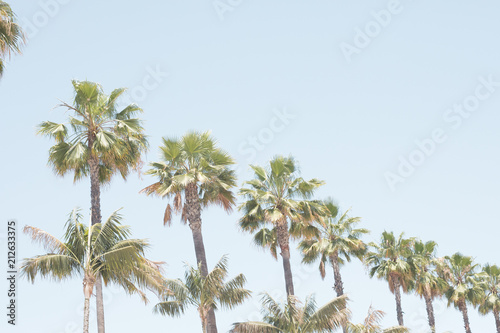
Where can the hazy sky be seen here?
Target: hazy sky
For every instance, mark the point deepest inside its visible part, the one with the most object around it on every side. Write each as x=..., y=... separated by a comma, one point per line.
x=392, y=103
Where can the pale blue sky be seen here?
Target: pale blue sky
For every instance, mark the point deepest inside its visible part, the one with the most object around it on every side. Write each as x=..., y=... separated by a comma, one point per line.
x=350, y=122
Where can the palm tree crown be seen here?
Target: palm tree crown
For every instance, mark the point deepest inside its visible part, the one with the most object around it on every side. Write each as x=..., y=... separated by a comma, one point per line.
x=371, y=324
x=204, y=292
x=463, y=287
x=338, y=240
x=389, y=262
x=278, y=196
x=490, y=303
x=98, y=250
x=11, y=35
x=294, y=318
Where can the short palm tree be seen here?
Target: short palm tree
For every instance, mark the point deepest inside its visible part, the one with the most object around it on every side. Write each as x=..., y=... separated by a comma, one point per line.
x=279, y=197
x=11, y=35
x=490, y=302
x=294, y=318
x=98, y=140
x=338, y=241
x=99, y=250
x=195, y=174
x=371, y=324
x=459, y=271
x=427, y=284
x=389, y=262
x=207, y=293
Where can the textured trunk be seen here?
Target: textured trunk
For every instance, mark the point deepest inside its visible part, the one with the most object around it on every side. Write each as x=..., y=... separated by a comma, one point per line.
x=99, y=305
x=95, y=191
x=95, y=209
x=463, y=307
x=86, y=310
x=397, y=294
x=194, y=218
x=497, y=319
x=88, y=286
x=339, y=285
x=430, y=309
x=283, y=241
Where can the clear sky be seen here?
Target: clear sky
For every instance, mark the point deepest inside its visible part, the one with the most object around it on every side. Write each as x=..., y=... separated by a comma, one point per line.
x=393, y=104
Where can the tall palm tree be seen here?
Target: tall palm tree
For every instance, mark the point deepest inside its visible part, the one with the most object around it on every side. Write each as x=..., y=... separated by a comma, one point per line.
x=98, y=140
x=98, y=250
x=490, y=302
x=371, y=324
x=338, y=240
x=194, y=173
x=11, y=35
x=389, y=262
x=205, y=292
x=279, y=197
x=427, y=284
x=459, y=271
x=293, y=318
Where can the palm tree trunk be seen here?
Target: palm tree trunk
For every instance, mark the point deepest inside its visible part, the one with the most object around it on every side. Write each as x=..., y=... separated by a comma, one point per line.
x=339, y=285
x=99, y=305
x=95, y=204
x=283, y=241
x=463, y=307
x=86, y=311
x=193, y=212
x=397, y=294
x=430, y=310
x=88, y=287
x=497, y=319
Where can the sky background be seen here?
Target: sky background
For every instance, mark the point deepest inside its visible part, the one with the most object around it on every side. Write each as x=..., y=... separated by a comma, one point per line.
x=351, y=122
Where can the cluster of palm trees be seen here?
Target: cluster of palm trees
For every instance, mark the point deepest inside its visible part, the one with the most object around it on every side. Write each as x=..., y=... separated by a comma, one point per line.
x=101, y=140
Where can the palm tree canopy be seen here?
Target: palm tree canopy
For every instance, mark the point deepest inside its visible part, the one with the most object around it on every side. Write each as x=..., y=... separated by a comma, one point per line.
x=294, y=318
x=337, y=237
x=96, y=129
x=210, y=292
x=389, y=260
x=101, y=249
x=11, y=35
x=490, y=281
x=276, y=194
x=463, y=285
x=423, y=261
x=371, y=324
x=193, y=159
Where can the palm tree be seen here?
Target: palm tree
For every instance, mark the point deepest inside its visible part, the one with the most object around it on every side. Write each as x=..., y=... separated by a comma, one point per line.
x=463, y=287
x=98, y=250
x=98, y=141
x=389, y=262
x=278, y=196
x=427, y=284
x=11, y=35
x=194, y=173
x=338, y=241
x=371, y=324
x=490, y=302
x=293, y=318
x=205, y=292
